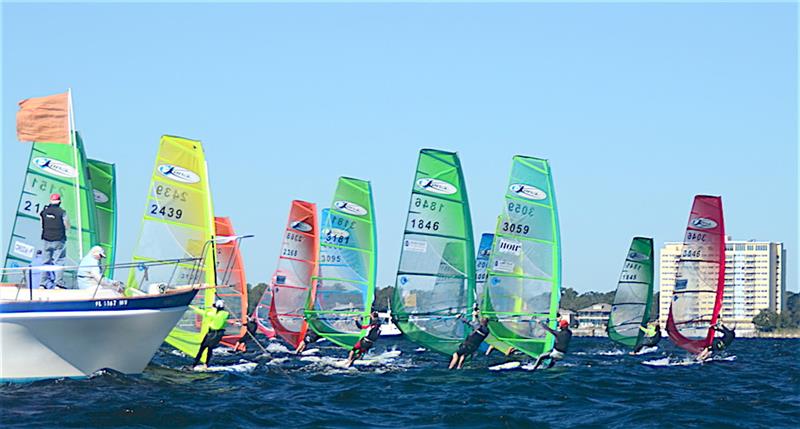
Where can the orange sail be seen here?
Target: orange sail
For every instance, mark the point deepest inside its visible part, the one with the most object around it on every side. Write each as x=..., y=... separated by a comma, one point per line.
x=232, y=281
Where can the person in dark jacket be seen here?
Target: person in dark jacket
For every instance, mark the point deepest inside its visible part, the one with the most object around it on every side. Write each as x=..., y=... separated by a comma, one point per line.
x=563, y=337
x=366, y=343
x=54, y=238
x=471, y=344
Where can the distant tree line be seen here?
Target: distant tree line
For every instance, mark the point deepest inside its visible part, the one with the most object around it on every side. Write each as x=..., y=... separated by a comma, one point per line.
x=789, y=318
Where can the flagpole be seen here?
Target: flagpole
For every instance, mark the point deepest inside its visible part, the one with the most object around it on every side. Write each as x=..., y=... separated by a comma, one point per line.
x=74, y=141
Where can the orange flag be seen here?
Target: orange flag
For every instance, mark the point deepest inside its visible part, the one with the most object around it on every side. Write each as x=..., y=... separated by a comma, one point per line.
x=44, y=119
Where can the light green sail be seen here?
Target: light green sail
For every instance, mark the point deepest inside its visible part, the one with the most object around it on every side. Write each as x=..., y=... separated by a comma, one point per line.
x=436, y=275
x=481, y=266
x=345, y=286
x=104, y=186
x=634, y=296
x=52, y=169
x=524, y=275
x=178, y=223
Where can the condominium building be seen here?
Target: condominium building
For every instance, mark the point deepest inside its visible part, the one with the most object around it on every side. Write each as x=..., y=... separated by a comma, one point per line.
x=755, y=279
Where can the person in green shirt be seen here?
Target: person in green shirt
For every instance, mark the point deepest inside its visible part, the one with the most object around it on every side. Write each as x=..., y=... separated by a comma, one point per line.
x=652, y=335
x=217, y=317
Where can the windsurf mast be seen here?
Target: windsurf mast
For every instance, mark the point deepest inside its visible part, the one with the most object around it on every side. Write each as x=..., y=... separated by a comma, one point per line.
x=700, y=279
x=345, y=285
x=435, y=281
x=634, y=295
x=524, y=275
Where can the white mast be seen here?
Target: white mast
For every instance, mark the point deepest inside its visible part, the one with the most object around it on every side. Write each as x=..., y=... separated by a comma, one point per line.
x=74, y=142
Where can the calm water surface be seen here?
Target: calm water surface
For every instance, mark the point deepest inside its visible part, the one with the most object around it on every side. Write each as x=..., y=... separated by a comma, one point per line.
x=597, y=386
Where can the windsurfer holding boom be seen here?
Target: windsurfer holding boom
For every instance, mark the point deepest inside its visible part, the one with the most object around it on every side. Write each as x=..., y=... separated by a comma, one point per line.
x=471, y=344
x=366, y=343
x=563, y=337
x=719, y=344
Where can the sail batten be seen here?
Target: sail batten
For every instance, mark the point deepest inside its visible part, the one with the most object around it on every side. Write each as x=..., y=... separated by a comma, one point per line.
x=62, y=169
x=435, y=280
x=700, y=277
x=524, y=271
x=179, y=223
x=232, y=282
x=633, y=298
x=344, y=285
x=104, y=189
x=291, y=286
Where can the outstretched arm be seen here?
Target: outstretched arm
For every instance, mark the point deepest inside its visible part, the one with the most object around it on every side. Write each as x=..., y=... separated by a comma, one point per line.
x=547, y=328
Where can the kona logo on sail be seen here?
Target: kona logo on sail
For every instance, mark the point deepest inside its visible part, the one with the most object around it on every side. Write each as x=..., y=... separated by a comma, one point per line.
x=301, y=226
x=350, y=208
x=178, y=174
x=509, y=246
x=335, y=233
x=99, y=197
x=636, y=256
x=55, y=167
x=436, y=186
x=527, y=191
x=702, y=223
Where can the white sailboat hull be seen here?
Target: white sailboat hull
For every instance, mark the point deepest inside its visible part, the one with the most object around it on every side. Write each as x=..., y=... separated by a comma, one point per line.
x=79, y=341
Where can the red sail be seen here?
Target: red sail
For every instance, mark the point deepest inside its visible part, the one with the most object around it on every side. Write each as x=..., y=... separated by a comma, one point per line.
x=230, y=275
x=291, y=284
x=700, y=278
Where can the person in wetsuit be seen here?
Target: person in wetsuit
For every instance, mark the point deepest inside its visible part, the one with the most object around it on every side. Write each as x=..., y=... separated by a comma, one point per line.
x=563, y=337
x=216, y=329
x=471, y=344
x=720, y=343
x=652, y=335
x=366, y=343
x=310, y=338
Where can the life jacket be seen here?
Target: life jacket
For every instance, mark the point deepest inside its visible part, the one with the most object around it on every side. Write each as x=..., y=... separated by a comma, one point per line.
x=53, y=223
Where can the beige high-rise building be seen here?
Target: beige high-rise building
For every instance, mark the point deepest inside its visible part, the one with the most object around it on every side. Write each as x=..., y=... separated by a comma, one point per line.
x=755, y=279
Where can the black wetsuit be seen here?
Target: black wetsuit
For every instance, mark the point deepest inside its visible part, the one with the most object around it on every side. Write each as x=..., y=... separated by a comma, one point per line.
x=311, y=337
x=211, y=340
x=649, y=341
x=563, y=337
x=369, y=340
x=728, y=335
x=473, y=341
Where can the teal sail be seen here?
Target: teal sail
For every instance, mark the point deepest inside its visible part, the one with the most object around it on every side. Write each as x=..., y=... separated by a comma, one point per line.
x=345, y=285
x=524, y=275
x=104, y=188
x=634, y=296
x=436, y=277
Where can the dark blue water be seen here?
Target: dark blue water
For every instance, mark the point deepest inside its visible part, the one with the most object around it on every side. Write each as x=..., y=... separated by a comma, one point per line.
x=594, y=388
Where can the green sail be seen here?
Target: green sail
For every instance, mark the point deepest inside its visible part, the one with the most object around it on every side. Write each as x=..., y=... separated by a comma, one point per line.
x=481, y=265
x=52, y=169
x=524, y=275
x=345, y=285
x=634, y=296
x=436, y=276
x=178, y=223
x=104, y=185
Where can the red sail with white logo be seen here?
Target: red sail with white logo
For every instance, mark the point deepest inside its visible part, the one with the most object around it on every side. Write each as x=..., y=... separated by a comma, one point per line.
x=291, y=286
x=700, y=279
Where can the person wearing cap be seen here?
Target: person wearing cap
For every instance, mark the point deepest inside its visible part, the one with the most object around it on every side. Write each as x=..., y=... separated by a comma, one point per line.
x=563, y=337
x=217, y=317
x=54, y=238
x=472, y=342
x=90, y=273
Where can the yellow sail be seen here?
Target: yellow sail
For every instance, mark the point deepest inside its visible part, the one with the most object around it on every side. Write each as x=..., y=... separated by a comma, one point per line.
x=178, y=223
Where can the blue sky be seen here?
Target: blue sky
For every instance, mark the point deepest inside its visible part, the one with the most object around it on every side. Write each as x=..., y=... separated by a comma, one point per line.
x=638, y=108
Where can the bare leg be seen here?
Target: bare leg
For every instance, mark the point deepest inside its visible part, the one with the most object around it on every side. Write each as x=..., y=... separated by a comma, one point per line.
x=300, y=347
x=453, y=361
x=489, y=350
x=461, y=361
x=539, y=360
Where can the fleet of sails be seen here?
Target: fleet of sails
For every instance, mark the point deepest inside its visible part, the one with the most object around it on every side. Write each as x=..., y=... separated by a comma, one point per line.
x=325, y=277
